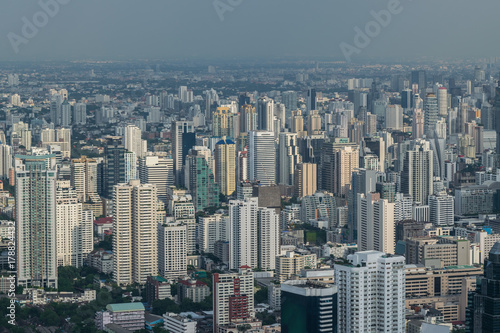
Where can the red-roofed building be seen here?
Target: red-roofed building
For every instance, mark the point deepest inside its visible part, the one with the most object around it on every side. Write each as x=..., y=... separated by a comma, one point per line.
x=195, y=290
x=103, y=226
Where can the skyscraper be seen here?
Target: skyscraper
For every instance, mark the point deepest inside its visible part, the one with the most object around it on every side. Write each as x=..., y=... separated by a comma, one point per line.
x=376, y=226
x=248, y=118
x=84, y=178
x=36, y=220
x=482, y=313
x=172, y=251
x=133, y=140
x=181, y=208
x=158, y=171
x=311, y=99
x=313, y=123
x=225, y=123
x=6, y=160
x=338, y=161
x=305, y=179
x=80, y=114
x=419, y=77
x=371, y=293
x=289, y=157
x=431, y=114
x=265, y=114
x=225, y=166
x=178, y=151
x=233, y=296
x=442, y=209
x=114, y=157
x=262, y=157
x=135, y=230
x=74, y=227
x=417, y=175
x=442, y=96
x=200, y=178
x=243, y=233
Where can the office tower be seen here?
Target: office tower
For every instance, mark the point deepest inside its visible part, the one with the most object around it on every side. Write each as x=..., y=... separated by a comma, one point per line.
x=297, y=123
x=114, y=159
x=74, y=227
x=181, y=207
x=261, y=157
x=84, y=178
x=311, y=99
x=265, y=114
x=130, y=166
x=133, y=140
x=6, y=159
x=225, y=166
x=288, y=266
x=318, y=205
x=36, y=221
x=268, y=238
x=225, y=123
x=158, y=171
x=248, y=118
x=13, y=80
x=242, y=171
x=418, y=124
x=280, y=116
x=370, y=124
x=233, y=295
x=289, y=98
x=183, y=94
x=451, y=251
x=376, y=226
x=289, y=157
x=200, y=179
x=135, y=230
x=338, y=161
x=406, y=99
x=442, y=96
x=66, y=115
x=308, y=306
x=313, y=123
x=419, y=77
x=431, y=114
x=243, y=98
x=212, y=229
x=80, y=114
x=371, y=293
x=180, y=129
x=442, y=209
x=394, y=117
x=20, y=137
x=482, y=313
x=243, y=233
x=417, y=176
x=305, y=179
x=172, y=255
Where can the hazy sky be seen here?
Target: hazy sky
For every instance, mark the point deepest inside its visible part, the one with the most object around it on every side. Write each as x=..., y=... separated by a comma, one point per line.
x=154, y=29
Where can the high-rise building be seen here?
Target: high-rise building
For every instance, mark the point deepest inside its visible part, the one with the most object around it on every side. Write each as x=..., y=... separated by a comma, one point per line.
x=74, y=227
x=289, y=157
x=6, y=160
x=394, y=117
x=417, y=176
x=133, y=141
x=225, y=165
x=419, y=77
x=313, y=123
x=114, y=169
x=233, y=296
x=308, y=306
x=80, y=114
x=311, y=99
x=135, y=231
x=181, y=207
x=261, y=157
x=338, y=161
x=225, y=123
x=172, y=254
x=248, y=118
x=318, y=205
x=418, y=124
x=371, y=293
x=84, y=179
x=482, y=314
x=406, y=99
x=158, y=171
x=265, y=114
x=442, y=209
x=268, y=238
x=200, y=178
x=289, y=98
x=36, y=221
x=297, y=121
x=376, y=227
x=66, y=115
x=212, y=229
x=243, y=233
x=305, y=179
x=442, y=95
x=179, y=147
x=431, y=114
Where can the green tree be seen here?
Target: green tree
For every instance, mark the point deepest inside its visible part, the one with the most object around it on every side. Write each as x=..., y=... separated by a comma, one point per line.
x=161, y=306
x=50, y=318
x=260, y=296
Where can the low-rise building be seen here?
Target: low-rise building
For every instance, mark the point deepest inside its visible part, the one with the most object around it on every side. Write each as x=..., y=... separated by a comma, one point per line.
x=127, y=315
x=174, y=323
x=195, y=290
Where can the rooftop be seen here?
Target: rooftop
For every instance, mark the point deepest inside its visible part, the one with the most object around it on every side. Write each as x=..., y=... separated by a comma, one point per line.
x=124, y=307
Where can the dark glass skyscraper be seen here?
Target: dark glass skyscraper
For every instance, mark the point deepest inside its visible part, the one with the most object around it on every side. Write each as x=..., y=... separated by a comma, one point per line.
x=115, y=164
x=483, y=314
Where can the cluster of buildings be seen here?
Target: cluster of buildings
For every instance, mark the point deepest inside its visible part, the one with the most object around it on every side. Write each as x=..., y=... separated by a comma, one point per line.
x=372, y=210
